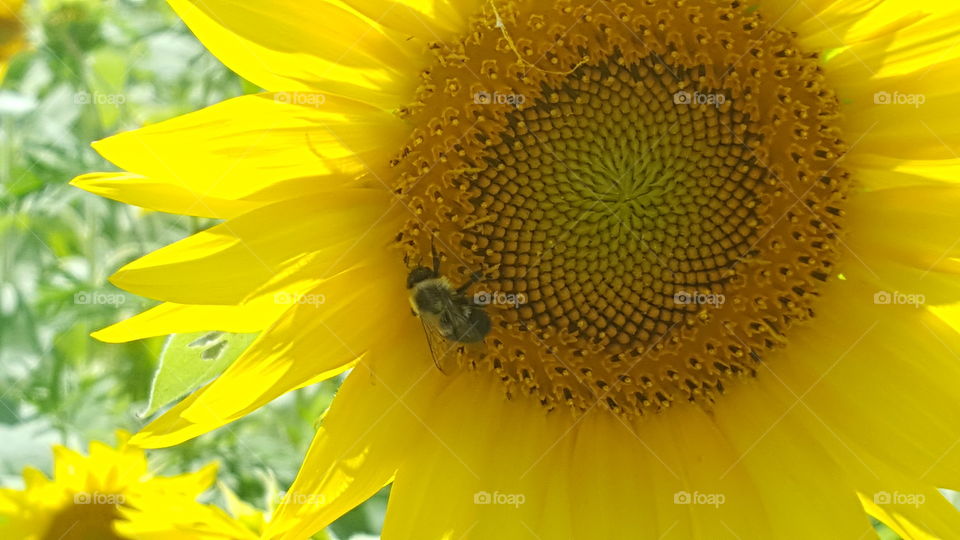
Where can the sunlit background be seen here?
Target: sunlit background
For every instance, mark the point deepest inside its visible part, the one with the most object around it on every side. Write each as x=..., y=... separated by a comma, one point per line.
x=94, y=68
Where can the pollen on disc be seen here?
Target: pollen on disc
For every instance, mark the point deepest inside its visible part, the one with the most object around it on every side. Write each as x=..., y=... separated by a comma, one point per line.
x=653, y=184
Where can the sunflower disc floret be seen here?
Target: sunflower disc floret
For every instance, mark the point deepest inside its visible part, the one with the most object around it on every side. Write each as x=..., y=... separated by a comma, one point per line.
x=662, y=218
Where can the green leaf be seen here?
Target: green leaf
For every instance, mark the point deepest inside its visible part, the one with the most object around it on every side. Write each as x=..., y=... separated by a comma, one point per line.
x=884, y=532
x=190, y=360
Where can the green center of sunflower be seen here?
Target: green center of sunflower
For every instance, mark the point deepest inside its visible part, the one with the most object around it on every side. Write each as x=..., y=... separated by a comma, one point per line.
x=648, y=188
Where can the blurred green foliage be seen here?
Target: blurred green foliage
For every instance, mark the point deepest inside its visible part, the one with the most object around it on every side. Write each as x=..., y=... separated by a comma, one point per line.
x=96, y=68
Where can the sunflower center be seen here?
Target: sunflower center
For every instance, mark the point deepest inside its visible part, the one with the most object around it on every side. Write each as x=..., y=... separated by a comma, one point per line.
x=84, y=522
x=648, y=188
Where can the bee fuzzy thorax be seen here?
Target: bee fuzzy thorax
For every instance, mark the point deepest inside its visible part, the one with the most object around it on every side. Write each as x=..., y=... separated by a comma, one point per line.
x=448, y=316
x=424, y=293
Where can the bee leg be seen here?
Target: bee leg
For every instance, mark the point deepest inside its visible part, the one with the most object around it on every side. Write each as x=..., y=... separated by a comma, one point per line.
x=436, y=257
x=474, y=278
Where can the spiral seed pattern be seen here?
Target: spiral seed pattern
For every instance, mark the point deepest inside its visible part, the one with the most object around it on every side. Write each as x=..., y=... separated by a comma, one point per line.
x=655, y=180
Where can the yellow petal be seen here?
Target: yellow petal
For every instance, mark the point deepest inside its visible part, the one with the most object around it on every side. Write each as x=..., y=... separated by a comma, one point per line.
x=170, y=318
x=363, y=437
x=810, y=17
x=844, y=23
x=896, y=83
x=34, y=478
x=160, y=196
x=874, y=171
x=10, y=8
x=452, y=485
x=426, y=19
x=178, y=518
x=859, y=373
x=789, y=464
x=259, y=148
x=311, y=341
x=463, y=455
x=284, y=45
x=675, y=478
x=909, y=507
x=188, y=484
x=12, y=35
x=881, y=113
x=114, y=469
x=906, y=240
x=719, y=492
x=913, y=48
x=226, y=263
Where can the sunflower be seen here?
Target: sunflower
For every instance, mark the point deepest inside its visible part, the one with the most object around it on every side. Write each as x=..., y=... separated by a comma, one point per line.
x=110, y=493
x=711, y=248
x=163, y=518
x=12, y=37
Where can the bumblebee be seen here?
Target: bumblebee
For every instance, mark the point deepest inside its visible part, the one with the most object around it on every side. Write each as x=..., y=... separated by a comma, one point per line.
x=449, y=317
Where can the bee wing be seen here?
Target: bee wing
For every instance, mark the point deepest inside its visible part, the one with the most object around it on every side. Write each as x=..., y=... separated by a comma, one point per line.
x=457, y=312
x=441, y=349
